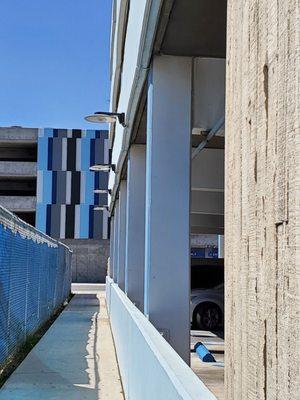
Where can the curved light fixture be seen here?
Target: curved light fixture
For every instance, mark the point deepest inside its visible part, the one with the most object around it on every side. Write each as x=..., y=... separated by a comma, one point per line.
x=106, y=117
x=101, y=208
x=102, y=191
x=103, y=167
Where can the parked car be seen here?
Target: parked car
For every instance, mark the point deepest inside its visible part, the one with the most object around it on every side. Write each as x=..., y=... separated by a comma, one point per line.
x=207, y=308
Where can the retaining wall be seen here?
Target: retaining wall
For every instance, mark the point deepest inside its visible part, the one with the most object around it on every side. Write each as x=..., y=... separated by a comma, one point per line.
x=89, y=260
x=150, y=368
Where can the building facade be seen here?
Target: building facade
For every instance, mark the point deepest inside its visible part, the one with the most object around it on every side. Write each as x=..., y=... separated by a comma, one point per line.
x=18, y=171
x=200, y=106
x=45, y=179
x=66, y=185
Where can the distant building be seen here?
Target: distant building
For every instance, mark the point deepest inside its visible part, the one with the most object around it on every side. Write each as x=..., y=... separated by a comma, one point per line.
x=65, y=184
x=18, y=171
x=45, y=179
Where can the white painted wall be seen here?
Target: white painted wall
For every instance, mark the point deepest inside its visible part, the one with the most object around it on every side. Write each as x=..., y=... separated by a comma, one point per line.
x=131, y=52
x=150, y=368
x=167, y=241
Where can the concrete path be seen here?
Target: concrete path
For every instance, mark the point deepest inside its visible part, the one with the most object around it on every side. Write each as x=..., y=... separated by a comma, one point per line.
x=75, y=359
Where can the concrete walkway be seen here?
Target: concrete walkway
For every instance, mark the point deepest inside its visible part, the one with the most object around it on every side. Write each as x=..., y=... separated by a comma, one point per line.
x=75, y=359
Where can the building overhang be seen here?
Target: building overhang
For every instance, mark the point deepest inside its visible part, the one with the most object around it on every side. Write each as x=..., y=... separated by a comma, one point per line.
x=199, y=30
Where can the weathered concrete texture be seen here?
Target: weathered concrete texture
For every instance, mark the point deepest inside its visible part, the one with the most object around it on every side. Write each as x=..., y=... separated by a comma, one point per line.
x=89, y=259
x=15, y=133
x=17, y=168
x=18, y=203
x=262, y=206
x=74, y=360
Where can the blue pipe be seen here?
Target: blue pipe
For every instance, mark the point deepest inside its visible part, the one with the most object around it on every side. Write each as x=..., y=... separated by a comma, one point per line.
x=204, y=353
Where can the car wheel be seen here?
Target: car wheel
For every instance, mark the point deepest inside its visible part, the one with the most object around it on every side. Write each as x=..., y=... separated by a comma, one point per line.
x=208, y=316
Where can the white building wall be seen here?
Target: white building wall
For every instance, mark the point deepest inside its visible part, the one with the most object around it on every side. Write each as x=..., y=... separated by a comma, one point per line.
x=134, y=34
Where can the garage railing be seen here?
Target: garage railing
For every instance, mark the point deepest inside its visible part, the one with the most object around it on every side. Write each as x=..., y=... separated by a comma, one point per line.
x=150, y=368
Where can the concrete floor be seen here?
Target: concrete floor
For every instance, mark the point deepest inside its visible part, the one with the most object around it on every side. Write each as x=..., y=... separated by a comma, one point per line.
x=211, y=374
x=75, y=359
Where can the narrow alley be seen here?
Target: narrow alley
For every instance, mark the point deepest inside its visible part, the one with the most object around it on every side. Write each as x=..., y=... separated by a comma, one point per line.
x=75, y=359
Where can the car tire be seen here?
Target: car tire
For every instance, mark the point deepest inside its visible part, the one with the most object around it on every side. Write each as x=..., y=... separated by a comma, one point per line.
x=208, y=316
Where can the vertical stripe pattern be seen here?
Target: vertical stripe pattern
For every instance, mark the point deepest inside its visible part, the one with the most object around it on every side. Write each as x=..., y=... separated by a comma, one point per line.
x=65, y=184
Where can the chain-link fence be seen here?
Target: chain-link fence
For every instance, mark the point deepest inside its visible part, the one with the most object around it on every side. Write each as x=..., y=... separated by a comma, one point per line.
x=35, y=279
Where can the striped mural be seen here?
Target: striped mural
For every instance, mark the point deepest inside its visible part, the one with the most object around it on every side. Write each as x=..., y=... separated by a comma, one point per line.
x=65, y=185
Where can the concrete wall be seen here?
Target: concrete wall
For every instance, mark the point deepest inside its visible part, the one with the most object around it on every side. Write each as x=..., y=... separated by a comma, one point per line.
x=129, y=69
x=18, y=203
x=89, y=259
x=150, y=368
x=17, y=168
x=15, y=133
x=131, y=59
x=262, y=208
x=208, y=92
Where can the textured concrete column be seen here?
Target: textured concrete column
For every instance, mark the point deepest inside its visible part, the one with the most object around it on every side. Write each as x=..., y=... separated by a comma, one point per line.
x=111, y=246
x=135, y=225
x=116, y=242
x=167, y=258
x=262, y=201
x=122, y=234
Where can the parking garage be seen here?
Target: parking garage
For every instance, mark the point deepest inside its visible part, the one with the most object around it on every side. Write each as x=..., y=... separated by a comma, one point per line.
x=167, y=179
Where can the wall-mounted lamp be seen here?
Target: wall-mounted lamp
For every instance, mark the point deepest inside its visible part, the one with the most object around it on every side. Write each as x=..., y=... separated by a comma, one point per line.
x=101, y=208
x=103, y=167
x=102, y=191
x=106, y=117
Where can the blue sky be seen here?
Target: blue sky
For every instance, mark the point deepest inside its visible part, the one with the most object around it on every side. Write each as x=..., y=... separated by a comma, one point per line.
x=54, y=65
